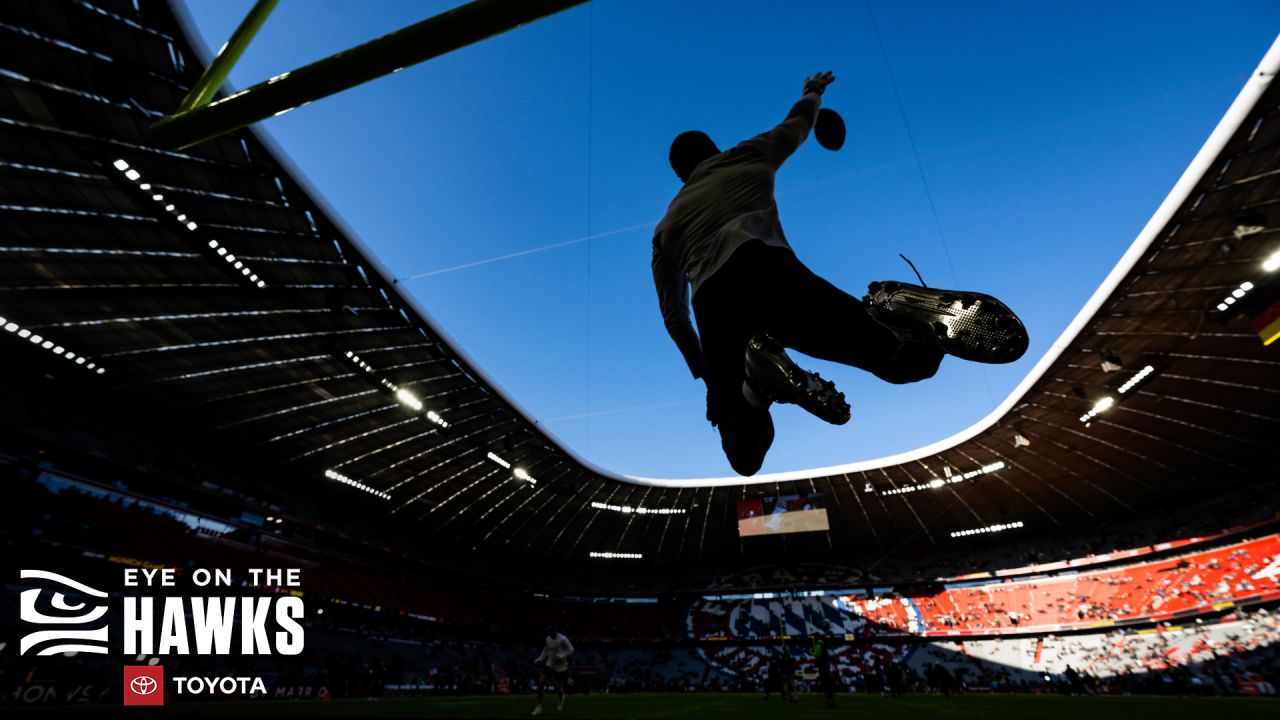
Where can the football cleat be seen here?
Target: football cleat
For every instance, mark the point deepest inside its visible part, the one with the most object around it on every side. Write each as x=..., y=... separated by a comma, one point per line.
x=774, y=375
x=969, y=325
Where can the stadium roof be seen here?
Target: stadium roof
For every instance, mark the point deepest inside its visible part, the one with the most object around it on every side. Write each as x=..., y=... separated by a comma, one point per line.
x=214, y=288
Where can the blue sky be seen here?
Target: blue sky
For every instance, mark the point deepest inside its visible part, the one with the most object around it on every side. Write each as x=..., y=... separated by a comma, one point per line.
x=1047, y=134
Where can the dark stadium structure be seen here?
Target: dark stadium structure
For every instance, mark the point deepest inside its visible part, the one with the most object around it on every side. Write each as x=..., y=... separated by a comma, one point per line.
x=204, y=365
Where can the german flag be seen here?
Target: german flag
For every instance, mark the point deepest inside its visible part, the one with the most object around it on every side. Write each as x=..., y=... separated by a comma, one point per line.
x=1267, y=324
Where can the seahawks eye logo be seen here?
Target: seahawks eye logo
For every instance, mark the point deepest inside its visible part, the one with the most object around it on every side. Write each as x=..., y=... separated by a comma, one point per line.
x=58, y=610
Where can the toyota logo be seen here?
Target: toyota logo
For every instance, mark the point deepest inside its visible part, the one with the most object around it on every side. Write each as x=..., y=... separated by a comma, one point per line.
x=143, y=685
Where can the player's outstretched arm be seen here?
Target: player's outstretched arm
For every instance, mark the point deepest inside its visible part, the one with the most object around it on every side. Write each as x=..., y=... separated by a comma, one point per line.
x=779, y=143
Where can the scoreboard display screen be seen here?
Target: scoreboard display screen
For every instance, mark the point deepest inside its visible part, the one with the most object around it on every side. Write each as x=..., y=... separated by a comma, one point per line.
x=782, y=514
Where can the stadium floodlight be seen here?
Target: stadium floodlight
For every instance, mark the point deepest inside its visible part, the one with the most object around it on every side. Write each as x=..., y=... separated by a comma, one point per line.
x=494, y=457
x=132, y=174
x=988, y=529
x=940, y=482
x=1133, y=381
x=402, y=395
x=335, y=475
x=616, y=555
x=45, y=343
x=522, y=474
x=408, y=399
x=639, y=509
x=1272, y=263
x=1244, y=288
x=1099, y=407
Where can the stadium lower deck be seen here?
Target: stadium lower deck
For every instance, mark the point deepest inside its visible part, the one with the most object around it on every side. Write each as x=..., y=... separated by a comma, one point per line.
x=736, y=705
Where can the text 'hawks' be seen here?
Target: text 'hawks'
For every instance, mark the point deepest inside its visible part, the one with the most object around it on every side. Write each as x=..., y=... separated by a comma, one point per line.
x=213, y=626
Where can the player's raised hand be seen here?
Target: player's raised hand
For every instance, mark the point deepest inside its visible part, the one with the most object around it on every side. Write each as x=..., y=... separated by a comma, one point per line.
x=819, y=82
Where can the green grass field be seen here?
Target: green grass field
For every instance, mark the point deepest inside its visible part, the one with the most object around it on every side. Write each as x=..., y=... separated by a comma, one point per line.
x=728, y=705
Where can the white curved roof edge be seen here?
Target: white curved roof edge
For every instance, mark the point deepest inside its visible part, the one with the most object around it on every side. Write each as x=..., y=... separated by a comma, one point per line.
x=1227, y=126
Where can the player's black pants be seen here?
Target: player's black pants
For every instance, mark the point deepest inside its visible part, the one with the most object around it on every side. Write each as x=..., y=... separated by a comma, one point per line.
x=767, y=289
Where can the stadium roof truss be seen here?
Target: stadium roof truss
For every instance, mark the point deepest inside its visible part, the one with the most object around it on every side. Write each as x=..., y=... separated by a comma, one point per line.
x=214, y=285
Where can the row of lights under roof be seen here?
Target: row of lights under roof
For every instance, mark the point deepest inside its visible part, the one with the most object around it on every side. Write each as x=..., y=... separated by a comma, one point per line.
x=517, y=473
x=1108, y=402
x=412, y=402
x=1098, y=408
x=988, y=529
x=998, y=465
x=639, y=509
x=1137, y=378
x=334, y=475
x=51, y=346
x=1271, y=264
x=1235, y=295
x=214, y=245
x=616, y=555
x=405, y=397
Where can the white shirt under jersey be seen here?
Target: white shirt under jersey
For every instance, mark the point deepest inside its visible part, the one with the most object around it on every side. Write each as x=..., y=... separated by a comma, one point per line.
x=555, y=654
x=727, y=201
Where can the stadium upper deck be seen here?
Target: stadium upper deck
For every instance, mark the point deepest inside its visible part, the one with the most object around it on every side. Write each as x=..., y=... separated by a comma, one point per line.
x=212, y=288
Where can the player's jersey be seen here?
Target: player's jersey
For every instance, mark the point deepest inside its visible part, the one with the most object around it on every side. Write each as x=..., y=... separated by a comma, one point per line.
x=555, y=655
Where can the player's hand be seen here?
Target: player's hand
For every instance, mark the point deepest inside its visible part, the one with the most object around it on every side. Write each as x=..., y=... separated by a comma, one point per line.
x=818, y=83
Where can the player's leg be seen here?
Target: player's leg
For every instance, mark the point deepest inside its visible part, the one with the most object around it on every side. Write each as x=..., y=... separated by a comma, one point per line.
x=744, y=293
x=726, y=323
x=562, y=680
x=542, y=683
x=813, y=316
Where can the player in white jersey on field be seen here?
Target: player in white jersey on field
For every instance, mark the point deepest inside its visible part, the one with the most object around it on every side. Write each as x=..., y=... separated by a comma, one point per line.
x=553, y=662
